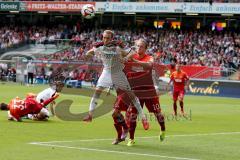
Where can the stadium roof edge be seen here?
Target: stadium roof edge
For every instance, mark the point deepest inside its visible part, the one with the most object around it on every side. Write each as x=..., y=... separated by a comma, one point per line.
x=121, y=7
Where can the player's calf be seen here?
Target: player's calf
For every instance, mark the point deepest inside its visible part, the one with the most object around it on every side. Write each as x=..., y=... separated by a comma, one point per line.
x=120, y=126
x=175, y=108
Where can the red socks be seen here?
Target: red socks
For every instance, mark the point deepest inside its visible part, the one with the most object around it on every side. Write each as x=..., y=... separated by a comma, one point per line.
x=181, y=105
x=133, y=124
x=119, y=124
x=160, y=119
x=175, y=107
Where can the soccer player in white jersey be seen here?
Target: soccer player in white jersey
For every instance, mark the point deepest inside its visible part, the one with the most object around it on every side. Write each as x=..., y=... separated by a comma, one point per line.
x=55, y=88
x=112, y=57
x=48, y=93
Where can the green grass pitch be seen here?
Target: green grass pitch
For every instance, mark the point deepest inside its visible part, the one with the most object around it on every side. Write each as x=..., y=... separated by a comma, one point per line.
x=213, y=133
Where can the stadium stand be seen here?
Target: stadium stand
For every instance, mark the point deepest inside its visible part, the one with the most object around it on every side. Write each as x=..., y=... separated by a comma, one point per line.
x=218, y=1
x=201, y=48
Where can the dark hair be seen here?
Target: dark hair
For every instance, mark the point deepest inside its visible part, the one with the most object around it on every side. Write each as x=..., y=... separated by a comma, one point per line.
x=4, y=107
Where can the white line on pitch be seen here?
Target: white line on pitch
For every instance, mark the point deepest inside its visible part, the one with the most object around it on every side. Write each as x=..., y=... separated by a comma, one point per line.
x=112, y=151
x=108, y=139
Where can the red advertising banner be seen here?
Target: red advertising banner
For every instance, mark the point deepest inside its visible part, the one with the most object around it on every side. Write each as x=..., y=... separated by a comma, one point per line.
x=202, y=72
x=55, y=6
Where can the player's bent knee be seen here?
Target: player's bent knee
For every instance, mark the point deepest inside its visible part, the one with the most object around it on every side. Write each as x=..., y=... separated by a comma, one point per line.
x=180, y=99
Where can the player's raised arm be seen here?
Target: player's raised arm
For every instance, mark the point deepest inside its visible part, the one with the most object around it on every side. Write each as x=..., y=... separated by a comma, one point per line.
x=147, y=64
x=127, y=54
x=46, y=102
x=90, y=53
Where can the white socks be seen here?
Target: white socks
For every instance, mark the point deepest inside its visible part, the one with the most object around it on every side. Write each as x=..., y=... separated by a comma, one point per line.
x=93, y=102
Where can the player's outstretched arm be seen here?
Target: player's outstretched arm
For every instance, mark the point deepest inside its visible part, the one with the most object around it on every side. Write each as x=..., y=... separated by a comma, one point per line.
x=45, y=103
x=89, y=54
x=127, y=55
x=146, y=65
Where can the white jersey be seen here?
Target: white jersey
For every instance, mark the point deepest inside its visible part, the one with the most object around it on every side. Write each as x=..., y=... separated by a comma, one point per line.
x=45, y=94
x=111, y=58
x=112, y=74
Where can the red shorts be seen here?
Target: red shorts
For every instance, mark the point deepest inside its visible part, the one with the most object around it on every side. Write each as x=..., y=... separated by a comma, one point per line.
x=152, y=104
x=178, y=94
x=121, y=105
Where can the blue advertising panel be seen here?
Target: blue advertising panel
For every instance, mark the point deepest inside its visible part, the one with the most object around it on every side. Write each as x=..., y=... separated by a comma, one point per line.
x=220, y=88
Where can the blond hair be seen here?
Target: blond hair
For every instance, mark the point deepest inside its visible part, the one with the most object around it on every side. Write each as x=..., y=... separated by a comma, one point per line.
x=109, y=32
x=143, y=41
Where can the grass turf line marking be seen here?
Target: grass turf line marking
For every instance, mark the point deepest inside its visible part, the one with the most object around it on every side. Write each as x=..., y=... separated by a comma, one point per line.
x=48, y=144
x=108, y=139
x=112, y=151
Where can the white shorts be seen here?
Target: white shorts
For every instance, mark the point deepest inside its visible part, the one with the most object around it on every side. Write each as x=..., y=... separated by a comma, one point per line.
x=116, y=80
x=43, y=111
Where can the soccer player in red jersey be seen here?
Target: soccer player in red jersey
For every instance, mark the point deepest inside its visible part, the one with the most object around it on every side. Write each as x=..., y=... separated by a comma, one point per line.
x=19, y=108
x=180, y=83
x=140, y=76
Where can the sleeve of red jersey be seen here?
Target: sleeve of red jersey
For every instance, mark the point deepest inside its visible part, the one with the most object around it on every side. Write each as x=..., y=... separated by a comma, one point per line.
x=45, y=103
x=186, y=76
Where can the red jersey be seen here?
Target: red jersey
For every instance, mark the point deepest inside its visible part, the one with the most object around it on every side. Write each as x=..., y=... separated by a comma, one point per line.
x=137, y=75
x=145, y=58
x=19, y=108
x=141, y=79
x=179, y=79
x=133, y=69
x=142, y=83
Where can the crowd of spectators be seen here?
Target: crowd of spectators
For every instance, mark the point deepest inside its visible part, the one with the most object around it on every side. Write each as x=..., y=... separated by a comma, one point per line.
x=7, y=73
x=189, y=48
x=44, y=74
x=202, y=48
x=199, y=48
x=11, y=36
